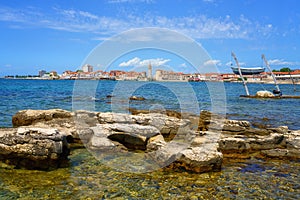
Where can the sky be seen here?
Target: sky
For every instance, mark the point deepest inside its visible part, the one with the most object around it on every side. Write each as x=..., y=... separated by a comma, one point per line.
x=60, y=35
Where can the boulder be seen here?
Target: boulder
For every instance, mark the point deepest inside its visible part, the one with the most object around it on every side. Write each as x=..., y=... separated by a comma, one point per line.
x=201, y=159
x=136, y=98
x=202, y=155
x=29, y=117
x=155, y=143
x=264, y=93
x=34, y=148
x=192, y=143
x=132, y=136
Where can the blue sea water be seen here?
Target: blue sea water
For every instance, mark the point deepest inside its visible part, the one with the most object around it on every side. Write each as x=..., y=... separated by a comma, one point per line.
x=192, y=97
x=89, y=178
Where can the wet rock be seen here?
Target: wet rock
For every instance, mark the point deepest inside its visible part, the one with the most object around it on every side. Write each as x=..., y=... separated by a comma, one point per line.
x=136, y=98
x=280, y=153
x=34, y=148
x=210, y=121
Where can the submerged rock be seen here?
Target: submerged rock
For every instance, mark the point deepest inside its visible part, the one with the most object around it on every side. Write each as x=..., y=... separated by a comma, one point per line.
x=137, y=98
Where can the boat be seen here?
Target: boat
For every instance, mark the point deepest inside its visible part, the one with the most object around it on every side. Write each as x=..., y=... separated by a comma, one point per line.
x=248, y=71
x=277, y=94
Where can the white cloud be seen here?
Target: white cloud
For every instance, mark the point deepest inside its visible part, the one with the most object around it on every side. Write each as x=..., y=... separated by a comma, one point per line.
x=230, y=63
x=183, y=65
x=133, y=62
x=280, y=62
x=209, y=63
x=137, y=62
x=200, y=26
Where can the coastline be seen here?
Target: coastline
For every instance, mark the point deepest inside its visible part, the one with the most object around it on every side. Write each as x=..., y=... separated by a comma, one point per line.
x=280, y=82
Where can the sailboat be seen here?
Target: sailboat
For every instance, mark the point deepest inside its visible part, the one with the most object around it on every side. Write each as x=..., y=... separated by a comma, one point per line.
x=248, y=71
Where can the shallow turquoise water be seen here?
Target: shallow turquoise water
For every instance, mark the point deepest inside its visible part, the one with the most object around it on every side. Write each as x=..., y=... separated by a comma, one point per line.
x=18, y=95
x=87, y=178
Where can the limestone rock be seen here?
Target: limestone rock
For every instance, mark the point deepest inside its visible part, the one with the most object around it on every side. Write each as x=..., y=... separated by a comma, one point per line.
x=201, y=159
x=155, y=143
x=34, y=148
x=29, y=117
x=100, y=142
x=264, y=93
x=136, y=98
x=293, y=140
x=132, y=136
x=200, y=156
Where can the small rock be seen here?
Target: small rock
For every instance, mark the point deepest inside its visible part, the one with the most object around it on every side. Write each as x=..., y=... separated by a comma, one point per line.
x=264, y=93
x=136, y=98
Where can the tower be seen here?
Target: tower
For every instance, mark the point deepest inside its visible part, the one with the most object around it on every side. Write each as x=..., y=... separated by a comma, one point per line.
x=87, y=68
x=149, y=72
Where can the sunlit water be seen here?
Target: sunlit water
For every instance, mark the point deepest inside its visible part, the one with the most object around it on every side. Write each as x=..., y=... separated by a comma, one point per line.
x=18, y=95
x=88, y=178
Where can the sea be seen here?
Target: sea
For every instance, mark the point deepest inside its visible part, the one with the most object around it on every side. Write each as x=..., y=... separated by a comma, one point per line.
x=190, y=97
x=89, y=178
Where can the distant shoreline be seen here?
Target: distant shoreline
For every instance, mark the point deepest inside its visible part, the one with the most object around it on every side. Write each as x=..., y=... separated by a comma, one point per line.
x=249, y=82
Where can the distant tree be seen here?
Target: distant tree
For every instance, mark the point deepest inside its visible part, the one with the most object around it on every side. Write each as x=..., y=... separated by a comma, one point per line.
x=285, y=69
x=240, y=79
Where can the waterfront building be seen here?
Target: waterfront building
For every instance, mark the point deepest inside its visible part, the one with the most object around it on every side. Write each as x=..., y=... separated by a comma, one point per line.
x=42, y=73
x=212, y=77
x=87, y=68
x=229, y=77
x=293, y=76
x=162, y=75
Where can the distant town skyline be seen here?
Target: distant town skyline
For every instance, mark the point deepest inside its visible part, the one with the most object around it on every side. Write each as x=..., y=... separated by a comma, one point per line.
x=59, y=35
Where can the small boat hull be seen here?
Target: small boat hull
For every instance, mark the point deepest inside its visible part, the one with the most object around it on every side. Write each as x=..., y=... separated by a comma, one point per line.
x=248, y=71
x=274, y=97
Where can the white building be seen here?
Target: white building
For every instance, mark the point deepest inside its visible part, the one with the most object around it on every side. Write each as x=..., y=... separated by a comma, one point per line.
x=87, y=68
x=161, y=75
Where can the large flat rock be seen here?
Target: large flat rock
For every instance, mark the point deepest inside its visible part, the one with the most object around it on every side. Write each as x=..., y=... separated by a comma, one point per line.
x=34, y=148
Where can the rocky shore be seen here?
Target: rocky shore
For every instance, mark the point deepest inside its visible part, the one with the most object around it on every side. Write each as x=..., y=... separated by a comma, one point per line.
x=42, y=139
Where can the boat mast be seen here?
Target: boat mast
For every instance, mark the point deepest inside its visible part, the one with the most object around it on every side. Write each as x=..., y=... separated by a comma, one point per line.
x=240, y=72
x=292, y=81
x=268, y=66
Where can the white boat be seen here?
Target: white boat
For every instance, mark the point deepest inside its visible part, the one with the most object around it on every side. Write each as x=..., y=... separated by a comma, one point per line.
x=248, y=71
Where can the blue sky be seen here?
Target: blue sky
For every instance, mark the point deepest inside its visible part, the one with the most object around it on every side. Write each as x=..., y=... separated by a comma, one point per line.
x=58, y=35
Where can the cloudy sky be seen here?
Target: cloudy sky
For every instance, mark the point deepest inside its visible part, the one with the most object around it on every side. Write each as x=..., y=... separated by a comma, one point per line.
x=59, y=35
